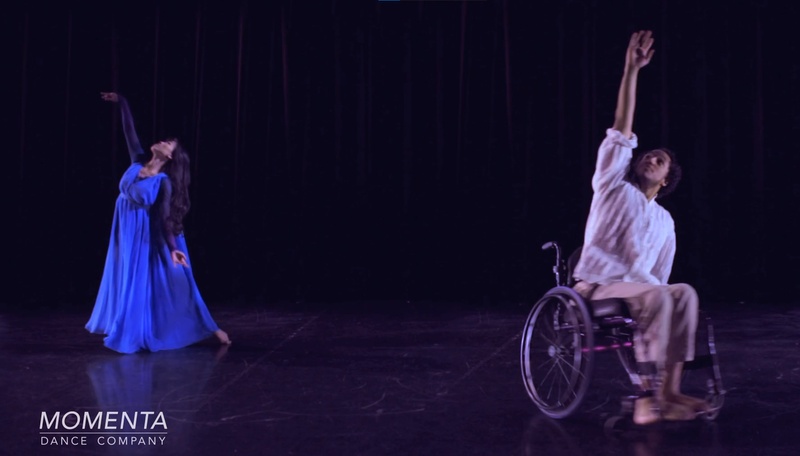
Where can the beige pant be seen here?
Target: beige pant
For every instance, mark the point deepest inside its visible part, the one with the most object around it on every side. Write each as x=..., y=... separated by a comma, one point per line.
x=666, y=316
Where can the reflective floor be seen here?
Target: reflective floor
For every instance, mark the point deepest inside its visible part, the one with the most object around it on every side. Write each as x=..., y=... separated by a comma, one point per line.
x=369, y=379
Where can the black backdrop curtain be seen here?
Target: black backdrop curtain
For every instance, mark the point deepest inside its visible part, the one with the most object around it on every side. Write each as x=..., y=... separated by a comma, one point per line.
x=397, y=150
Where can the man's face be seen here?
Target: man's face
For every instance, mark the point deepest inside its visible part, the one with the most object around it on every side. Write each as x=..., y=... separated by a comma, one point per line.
x=653, y=167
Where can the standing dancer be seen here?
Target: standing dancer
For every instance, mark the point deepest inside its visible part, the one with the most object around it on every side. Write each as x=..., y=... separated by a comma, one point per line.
x=148, y=299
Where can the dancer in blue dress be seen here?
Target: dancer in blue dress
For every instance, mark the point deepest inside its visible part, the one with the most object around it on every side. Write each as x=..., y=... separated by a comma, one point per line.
x=148, y=299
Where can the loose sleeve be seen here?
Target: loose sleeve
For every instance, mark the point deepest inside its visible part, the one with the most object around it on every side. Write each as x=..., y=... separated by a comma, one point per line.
x=613, y=158
x=663, y=266
x=134, y=146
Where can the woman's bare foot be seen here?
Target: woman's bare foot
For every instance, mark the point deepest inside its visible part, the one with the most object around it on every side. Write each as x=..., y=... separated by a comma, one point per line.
x=645, y=412
x=222, y=336
x=221, y=352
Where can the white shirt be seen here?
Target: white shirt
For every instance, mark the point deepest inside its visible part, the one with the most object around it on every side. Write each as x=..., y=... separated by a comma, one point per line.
x=628, y=238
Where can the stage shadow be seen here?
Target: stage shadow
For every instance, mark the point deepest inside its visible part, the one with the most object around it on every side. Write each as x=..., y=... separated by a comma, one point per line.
x=587, y=436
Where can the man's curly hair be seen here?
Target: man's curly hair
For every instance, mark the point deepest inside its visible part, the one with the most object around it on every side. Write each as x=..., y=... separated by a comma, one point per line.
x=673, y=175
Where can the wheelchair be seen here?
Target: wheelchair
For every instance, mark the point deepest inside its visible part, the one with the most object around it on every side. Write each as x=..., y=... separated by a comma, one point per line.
x=564, y=333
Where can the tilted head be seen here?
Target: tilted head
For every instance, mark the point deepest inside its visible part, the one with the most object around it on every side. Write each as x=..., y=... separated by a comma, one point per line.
x=655, y=168
x=177, y=159
x=164, y=149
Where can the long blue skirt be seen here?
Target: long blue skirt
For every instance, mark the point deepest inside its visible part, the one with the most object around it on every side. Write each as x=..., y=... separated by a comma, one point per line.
x=145, y=302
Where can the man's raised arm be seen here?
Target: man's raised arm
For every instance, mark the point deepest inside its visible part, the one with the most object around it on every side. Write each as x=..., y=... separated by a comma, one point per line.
x=638, y=55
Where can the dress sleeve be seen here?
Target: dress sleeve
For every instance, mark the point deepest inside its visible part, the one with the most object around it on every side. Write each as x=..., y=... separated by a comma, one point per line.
x=134, y=146
x=164, y=209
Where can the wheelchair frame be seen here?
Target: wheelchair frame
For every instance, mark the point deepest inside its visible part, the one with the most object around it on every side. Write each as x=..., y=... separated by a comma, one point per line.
x=563, y=333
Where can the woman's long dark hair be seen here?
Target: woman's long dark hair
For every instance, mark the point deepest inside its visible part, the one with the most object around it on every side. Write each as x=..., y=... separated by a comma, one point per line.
x=178, y=171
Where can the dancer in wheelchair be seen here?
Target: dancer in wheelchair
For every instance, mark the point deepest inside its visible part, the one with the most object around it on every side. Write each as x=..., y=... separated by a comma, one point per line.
x=629, y=247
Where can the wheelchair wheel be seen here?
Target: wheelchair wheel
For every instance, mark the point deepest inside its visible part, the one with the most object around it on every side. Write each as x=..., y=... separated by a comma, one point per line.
x=557, y=352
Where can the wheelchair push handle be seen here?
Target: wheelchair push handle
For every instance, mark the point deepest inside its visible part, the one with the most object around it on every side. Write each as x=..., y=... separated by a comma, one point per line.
x=558, y=265
x=553, y=245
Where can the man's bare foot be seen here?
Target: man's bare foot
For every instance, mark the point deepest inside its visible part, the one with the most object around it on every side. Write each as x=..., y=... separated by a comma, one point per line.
x=222, y=336
x=645, y=412
x=672, y=411
x=696, y=404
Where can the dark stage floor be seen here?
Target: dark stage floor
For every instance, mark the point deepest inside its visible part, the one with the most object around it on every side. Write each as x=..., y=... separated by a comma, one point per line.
x=367, y=381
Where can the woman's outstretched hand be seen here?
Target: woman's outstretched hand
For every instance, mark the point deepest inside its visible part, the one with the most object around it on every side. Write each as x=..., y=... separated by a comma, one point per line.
x=109, y=96
x=179, y=257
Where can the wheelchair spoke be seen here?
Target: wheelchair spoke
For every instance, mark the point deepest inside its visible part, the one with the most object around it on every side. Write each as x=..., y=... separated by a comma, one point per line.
x=560, y=397
x=550, y=390
x=549, y=371
x=564, y=374
x=549, y=360
x=549, y=327
x=551, y=342
x=571, y=366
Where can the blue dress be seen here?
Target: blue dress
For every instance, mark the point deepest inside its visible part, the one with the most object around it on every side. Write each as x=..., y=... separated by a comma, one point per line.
x=145, y=302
